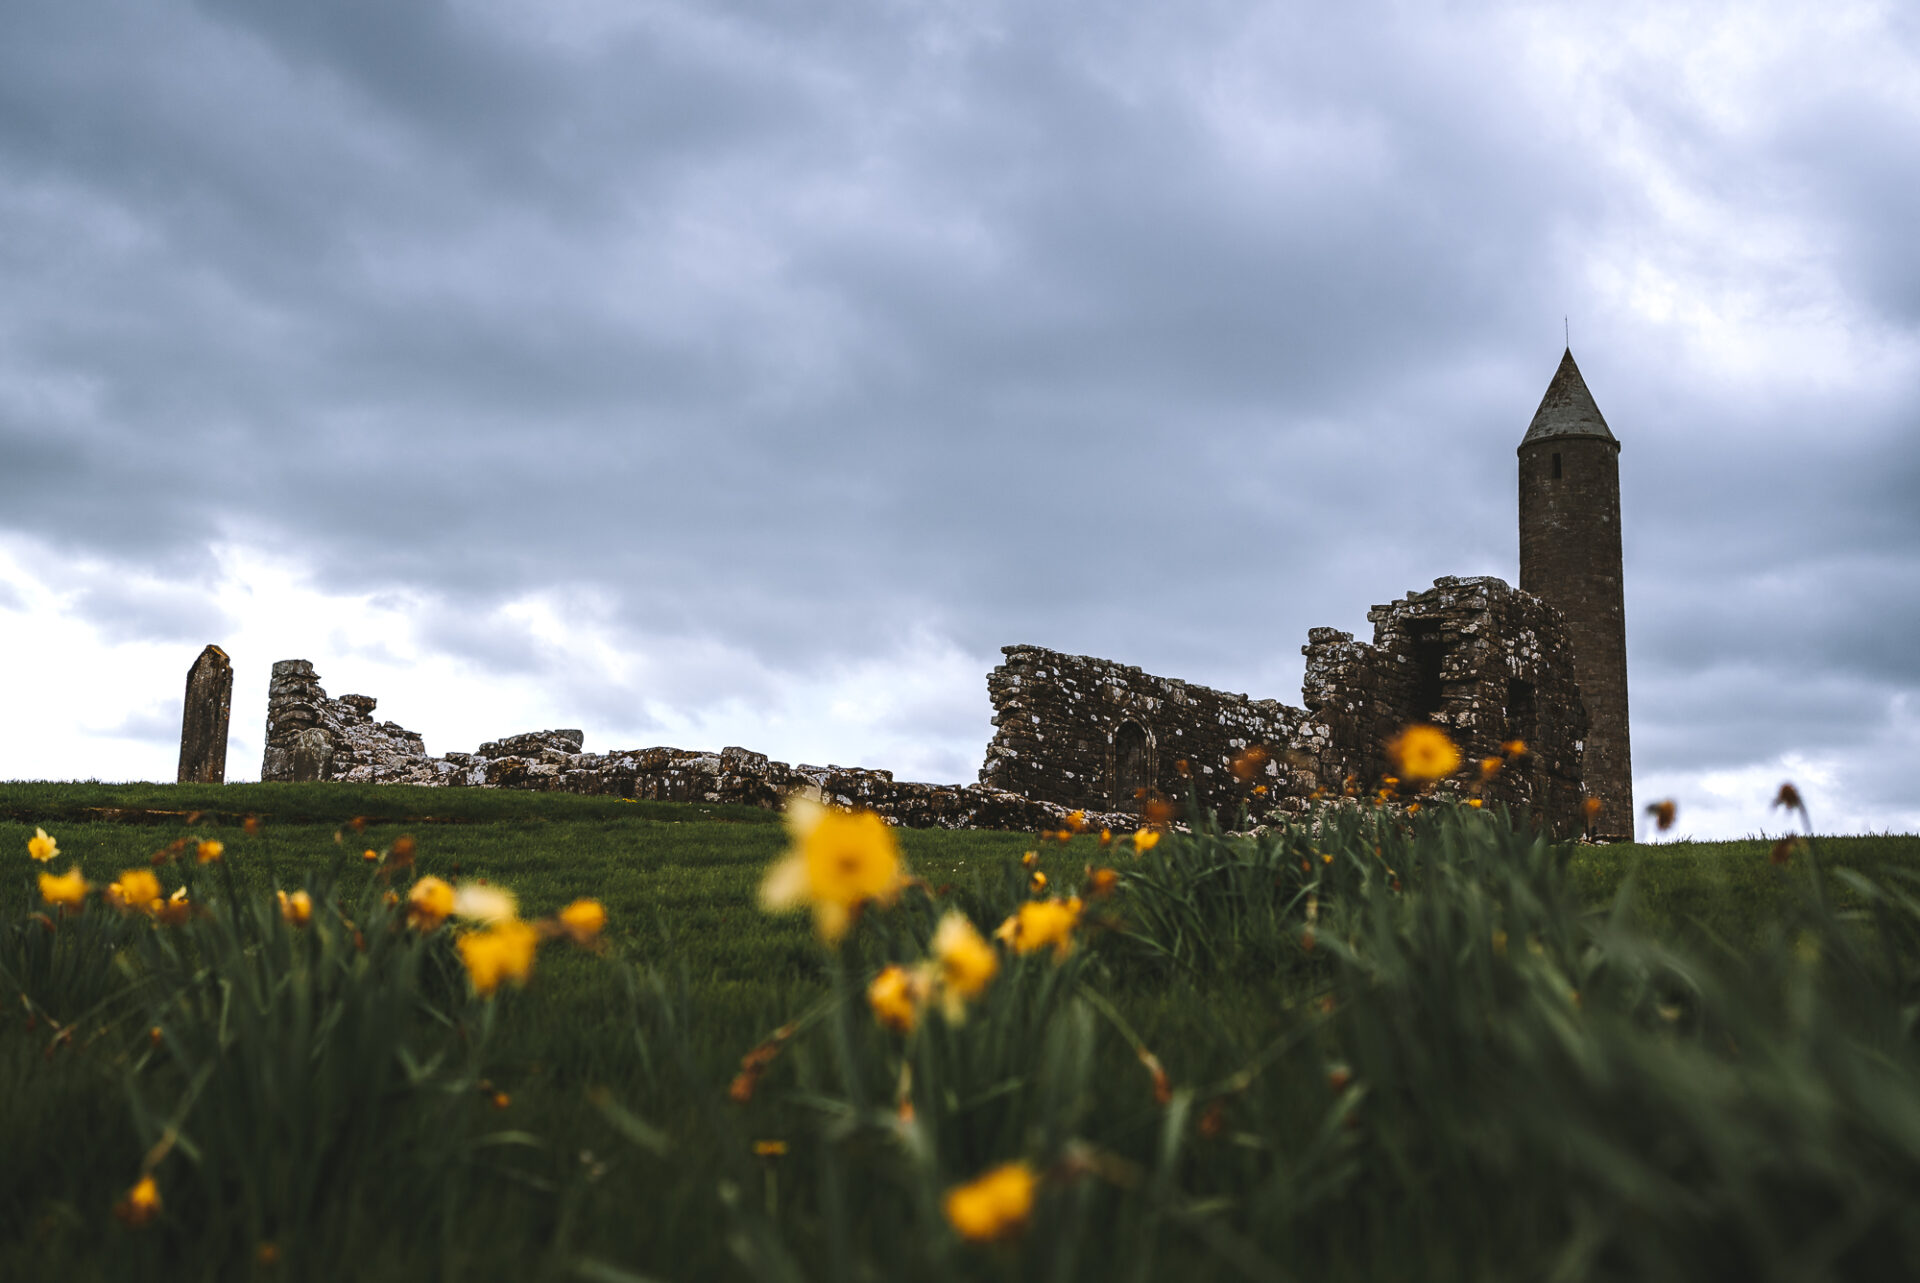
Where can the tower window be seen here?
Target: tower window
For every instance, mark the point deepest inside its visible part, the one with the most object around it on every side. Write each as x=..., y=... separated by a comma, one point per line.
x=1556, y=466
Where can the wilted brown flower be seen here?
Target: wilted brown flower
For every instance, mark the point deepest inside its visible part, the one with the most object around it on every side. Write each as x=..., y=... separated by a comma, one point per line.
x=1247, y=763
x=139, y=1205
x=1162, y=1085
x=1663, y=813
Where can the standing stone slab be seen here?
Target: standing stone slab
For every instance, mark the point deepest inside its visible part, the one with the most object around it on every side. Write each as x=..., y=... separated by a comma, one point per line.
x=203, y=721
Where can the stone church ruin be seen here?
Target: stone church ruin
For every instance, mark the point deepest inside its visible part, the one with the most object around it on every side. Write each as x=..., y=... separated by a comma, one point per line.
x=1487, y=663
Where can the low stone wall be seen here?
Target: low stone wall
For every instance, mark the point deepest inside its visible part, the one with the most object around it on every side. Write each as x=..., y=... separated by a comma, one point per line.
x=313, y=737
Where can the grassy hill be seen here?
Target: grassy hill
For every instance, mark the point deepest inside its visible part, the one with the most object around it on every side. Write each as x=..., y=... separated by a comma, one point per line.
x=587, y=1129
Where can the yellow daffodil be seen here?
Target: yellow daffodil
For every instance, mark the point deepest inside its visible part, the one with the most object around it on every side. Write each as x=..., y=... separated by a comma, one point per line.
x=140, y=1204
x=967, y=963
x=895, y=996
x=296, y=908
x=1424, y=752
x=135, y=891
x=1514, y=748
x=429, y=903
x=1663, y=813
x=1101, y=882
x=838, y=860
x=503, y=951
x=69, y=890
x=210, y=849
x=583, y=921
x=1475, y=803
x=483, y=903
x=1145, y=840
x=1039, y=881
x=996, y=1206
x=1490, y=767
x=1076, y=821
x=1040, y=924
x=41, y=847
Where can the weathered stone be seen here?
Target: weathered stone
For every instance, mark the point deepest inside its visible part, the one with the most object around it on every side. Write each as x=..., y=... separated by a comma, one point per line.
x=356, y=748
x=311, y=758
x=534, y=742
x=204, y=719
x=1472, y=656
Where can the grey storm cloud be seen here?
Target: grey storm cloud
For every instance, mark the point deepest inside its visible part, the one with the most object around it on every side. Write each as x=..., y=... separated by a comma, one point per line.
x=1163, y=333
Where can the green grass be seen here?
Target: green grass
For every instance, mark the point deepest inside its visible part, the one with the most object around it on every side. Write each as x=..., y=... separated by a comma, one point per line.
x=679, y=884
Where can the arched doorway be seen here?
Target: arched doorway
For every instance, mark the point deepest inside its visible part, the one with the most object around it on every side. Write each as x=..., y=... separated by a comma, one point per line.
x=1132, y=765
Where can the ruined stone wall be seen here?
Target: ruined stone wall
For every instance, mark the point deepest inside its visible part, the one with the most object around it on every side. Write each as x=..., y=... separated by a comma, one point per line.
x=1474, y=657
x=1087, y=732
x=313, y=737
x=1485, y=663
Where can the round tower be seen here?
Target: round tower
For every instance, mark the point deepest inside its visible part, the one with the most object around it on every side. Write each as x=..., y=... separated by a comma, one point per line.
x=1570, y=558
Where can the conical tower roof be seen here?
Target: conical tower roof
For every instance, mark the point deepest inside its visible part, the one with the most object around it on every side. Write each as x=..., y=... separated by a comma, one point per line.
x=1567, y=410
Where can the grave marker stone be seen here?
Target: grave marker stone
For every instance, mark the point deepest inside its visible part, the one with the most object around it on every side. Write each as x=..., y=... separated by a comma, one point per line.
x=203, y=720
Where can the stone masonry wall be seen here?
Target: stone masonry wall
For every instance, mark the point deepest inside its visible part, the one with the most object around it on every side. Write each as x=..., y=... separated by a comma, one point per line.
x=1087, y=732
x=1472, y=656
x=313, y=737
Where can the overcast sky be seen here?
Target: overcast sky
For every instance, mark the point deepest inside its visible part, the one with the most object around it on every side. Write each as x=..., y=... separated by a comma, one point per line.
x=716, y=373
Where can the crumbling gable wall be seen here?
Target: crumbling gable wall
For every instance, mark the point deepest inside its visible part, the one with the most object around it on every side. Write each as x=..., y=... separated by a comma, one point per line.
x=1475, y=657
x=1087, y=732
x=312, y=737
